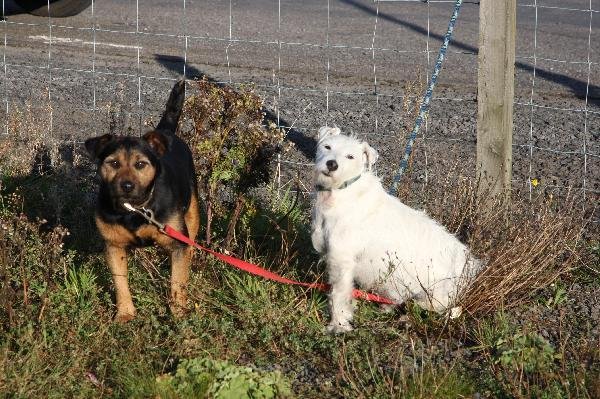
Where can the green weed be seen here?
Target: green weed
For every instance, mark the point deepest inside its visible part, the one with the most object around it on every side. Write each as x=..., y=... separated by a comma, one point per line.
x=525, y=352
x=203, y=377
x=558, y=297
x=522, y=363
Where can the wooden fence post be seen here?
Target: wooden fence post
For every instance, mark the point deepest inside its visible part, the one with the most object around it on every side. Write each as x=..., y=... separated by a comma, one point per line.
x=495, y=95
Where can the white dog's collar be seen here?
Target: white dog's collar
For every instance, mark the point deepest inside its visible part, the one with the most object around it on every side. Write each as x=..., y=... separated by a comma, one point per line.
x=345, y=184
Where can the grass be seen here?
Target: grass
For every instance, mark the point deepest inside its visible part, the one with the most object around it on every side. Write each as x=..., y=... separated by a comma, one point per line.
x=246, y=336
x=58, y=338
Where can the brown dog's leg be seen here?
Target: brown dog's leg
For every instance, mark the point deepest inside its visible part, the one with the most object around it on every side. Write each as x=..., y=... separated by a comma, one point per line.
x=181, y=259
x=116, y=258
x=192, y=218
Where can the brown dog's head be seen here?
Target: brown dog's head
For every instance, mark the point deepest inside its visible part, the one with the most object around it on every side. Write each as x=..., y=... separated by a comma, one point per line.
x=127, y=165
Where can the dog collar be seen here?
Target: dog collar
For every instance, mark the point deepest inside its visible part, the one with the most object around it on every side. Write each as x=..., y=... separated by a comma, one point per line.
x=149, y=195
x=345, y=184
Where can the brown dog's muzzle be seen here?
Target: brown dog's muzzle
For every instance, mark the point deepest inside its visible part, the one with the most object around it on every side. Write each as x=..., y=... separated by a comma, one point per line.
x=128, y=190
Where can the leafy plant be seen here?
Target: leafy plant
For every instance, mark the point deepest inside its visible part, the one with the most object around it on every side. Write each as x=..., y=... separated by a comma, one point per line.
x=525, y=352
x=510, y=347
x=204, y=377
x=559, y=296
x=280, y=227
x=522, y=363
x=81, y=284
x=232, y=150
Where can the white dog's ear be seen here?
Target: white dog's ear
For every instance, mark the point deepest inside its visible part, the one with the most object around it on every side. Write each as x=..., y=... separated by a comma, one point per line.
x=370, y=155
x=328, y=131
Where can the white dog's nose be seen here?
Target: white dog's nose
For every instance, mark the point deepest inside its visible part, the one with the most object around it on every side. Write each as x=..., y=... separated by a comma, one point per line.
x=331, y=165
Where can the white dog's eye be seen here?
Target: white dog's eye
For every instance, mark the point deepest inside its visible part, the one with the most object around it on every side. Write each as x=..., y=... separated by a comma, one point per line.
x=327, y=147
x=350, y=156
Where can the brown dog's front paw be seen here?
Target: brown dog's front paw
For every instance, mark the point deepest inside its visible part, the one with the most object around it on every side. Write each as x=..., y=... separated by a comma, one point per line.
x=178, y=310
x=178, y=302
x=123, y=318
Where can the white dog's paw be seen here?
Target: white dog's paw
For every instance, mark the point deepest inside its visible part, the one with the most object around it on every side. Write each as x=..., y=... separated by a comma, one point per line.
x=339, y=328
x=455, y=312
x=386, y=308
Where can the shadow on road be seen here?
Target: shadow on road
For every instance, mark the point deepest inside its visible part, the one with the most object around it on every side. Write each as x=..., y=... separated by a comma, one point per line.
x=578, y=87
x=303, y=143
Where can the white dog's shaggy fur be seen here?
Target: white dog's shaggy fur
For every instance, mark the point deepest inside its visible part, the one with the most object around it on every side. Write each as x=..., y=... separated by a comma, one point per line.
x=371, y=238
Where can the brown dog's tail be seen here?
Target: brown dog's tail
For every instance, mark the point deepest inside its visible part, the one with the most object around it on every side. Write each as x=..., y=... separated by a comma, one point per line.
x=170, y=119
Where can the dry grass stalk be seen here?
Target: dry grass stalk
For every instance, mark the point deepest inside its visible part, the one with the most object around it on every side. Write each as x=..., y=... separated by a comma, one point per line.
x=525, y=249
x=412, y=96
x=28, y=138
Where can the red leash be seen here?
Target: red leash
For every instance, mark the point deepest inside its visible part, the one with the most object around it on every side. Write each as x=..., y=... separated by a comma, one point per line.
x=246, y=266
x=259, y=271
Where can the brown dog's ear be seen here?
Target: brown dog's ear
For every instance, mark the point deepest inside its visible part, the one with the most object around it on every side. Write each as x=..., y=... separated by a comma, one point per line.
x=157, y=141
x=95, y=145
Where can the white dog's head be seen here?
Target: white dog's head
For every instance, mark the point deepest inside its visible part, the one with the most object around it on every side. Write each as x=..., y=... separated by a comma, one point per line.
x=341, y=158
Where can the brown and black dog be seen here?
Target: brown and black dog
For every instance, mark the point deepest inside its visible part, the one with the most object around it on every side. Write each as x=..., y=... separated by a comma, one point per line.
x=155, y=171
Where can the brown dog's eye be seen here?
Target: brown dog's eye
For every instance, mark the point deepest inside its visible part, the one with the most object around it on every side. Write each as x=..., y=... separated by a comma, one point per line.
x=327, y=147
x=140, y=165
x=114, y=164
x=350, y=156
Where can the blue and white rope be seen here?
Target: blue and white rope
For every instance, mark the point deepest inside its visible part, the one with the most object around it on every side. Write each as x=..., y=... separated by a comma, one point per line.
x=424, y=109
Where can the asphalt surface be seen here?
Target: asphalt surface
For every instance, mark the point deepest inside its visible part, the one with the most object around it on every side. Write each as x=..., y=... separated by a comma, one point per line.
x=314, y=63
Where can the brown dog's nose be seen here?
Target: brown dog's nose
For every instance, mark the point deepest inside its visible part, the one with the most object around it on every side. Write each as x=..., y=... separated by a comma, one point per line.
x=331, y=165
x=127, y=186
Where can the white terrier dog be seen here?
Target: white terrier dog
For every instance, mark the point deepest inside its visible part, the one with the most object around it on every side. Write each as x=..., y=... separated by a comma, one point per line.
x=371, y=238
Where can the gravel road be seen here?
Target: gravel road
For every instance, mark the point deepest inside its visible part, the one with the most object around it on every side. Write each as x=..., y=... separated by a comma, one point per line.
x=313, y=62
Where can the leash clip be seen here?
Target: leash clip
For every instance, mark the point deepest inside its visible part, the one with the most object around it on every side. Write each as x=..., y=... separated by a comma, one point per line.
x=147, y=214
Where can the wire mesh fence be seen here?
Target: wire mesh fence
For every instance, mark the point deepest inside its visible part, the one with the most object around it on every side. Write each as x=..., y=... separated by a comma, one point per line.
x=360, y=65
x=562, y=103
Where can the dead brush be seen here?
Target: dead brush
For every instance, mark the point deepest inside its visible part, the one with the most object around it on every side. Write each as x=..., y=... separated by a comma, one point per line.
x=526, y=245
x=31, y=256
x=232, y=150
x=412, y=92
x=28, y=138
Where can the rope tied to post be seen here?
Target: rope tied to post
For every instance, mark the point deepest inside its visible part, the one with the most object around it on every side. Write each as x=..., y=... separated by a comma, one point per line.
x=424, y=108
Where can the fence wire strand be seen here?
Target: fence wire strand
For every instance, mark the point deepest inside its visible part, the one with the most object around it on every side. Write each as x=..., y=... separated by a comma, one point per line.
x=376, y=94
x=533, y=76
x=5, y=82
